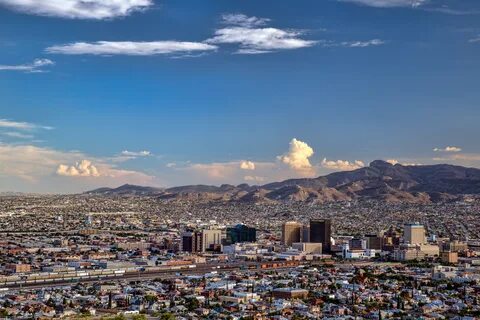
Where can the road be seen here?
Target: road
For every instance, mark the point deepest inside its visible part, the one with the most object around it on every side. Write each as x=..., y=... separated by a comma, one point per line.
x=139, y=275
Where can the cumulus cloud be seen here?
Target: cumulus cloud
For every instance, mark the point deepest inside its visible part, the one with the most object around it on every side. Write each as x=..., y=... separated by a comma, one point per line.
x=130, y=48
x=388, y=3
x=253, y=38
x=392, y=161
x=298, y=156
x=78, y=9
x=41, y=169
x=84, y=168
x=342, y=165
x=406, y=164
x=448, y=149
x=247, y=165
x=36, y=66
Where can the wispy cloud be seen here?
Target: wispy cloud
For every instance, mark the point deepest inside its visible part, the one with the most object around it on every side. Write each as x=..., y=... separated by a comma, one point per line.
x=448, y=149
x=143, y=153
x=6, y=123
x=36, y=66
x=19, y=135
x=455, y=12
x=78, y=9
x=426, y=5
x=243, y=20
x=130, y=48
x=253, y=38
x=353, y=44
x=475, y=40
x=388, y=3
x=362, y=44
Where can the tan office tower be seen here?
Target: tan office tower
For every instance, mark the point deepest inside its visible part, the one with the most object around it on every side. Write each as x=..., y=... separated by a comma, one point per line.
x=211, y=238
x=414, y=233
x=291, y=232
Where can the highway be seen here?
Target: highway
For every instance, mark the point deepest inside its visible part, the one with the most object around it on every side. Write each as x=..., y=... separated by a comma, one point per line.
x=140, y=275
x=136, y=275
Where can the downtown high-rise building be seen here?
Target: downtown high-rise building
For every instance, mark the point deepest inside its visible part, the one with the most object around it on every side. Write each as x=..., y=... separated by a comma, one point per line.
x=321, y=232
x=414, y=233
x=291, y=232
x=240, y=233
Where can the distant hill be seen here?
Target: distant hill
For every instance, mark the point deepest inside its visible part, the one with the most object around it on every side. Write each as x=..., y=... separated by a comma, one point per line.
x=127, y=189
x=380, y=180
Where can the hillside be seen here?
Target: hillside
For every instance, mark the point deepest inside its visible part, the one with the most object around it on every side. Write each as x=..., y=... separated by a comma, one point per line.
x=380, y=180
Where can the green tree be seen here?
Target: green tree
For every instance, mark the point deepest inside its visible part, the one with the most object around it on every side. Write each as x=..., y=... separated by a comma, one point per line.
x=167, y=316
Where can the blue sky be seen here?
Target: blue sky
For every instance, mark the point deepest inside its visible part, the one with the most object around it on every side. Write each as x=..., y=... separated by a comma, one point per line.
x=166, y=93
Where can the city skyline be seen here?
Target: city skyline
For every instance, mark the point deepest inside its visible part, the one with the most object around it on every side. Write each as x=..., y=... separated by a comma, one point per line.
x=164, y=94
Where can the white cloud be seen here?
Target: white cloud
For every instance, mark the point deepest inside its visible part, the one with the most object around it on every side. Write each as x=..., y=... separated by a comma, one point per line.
x=448, y=149
x=298, y=156
x=10, y=124
x=254, y=39
x=388, y=3
x=19, y=135
x=342, y=165
x=247, y=165
x=363, y=44
x=353, y=44
x=84, y=168
x=130, y=48
x=78, y=9
x=406, y=164
x=474, y=40
x=243, y=20
x=130, y=155
x=392, y=161
x=38, y=169
x=34, y=67
x=143, y=153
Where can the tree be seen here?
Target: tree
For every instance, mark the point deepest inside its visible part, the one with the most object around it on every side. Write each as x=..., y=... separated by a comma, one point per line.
x=167, y=316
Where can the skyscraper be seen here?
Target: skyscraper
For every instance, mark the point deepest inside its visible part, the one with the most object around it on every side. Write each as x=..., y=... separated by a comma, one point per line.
x=414, y=233
x=241, y=233
x=291, y=232
x=192, y=241
x=321, y=232
x=210, y=239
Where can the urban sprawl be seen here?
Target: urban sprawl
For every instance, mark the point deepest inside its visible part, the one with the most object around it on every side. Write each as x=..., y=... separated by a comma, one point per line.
x=138, y=257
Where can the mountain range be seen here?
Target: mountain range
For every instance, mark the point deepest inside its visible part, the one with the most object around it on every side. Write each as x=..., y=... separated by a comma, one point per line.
x=380, y=181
